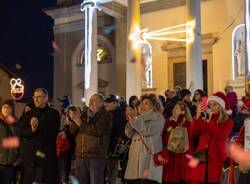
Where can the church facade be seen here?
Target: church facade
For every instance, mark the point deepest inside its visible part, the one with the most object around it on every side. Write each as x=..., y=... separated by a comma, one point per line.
x=166, y=60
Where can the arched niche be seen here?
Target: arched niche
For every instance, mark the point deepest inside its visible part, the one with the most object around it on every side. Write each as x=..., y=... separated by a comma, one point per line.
x=106, y=70
x=238, y=51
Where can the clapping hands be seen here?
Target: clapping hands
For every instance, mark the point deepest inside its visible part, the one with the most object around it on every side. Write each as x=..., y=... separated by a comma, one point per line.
x=239, y=155
x=76, y=117
x=34, y=124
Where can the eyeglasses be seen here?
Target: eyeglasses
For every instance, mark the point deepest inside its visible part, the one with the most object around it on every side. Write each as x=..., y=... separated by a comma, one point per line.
x=38, y=97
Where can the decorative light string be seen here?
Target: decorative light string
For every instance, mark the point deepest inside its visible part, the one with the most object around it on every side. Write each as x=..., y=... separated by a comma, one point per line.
x=16, y=88
x=142, y=36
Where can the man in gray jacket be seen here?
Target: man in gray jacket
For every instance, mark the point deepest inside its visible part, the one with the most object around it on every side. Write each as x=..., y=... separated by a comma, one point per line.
x=92, y=141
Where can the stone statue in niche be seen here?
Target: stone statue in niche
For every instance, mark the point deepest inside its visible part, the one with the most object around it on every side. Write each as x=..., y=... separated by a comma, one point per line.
x=146, y=57
x=239, y=52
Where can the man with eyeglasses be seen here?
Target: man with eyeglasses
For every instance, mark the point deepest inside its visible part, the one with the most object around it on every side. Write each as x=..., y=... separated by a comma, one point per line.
x=40, y=127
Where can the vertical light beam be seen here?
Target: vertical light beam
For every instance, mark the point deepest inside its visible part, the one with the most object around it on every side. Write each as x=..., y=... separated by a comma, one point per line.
x=247, y=45
x=88, y=7
x=247, y=21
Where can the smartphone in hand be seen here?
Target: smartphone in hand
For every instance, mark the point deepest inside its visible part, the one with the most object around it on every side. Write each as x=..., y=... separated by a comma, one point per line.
x=204, y=103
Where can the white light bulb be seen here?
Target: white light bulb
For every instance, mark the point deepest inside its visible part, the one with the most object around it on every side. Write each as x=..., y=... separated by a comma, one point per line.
x=83, y=99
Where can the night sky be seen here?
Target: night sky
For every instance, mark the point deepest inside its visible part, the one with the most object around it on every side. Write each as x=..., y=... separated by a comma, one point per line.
x=26, y=34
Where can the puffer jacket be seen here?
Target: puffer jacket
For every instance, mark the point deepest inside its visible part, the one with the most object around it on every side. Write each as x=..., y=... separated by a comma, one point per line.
x=93, y=136
x=7, y=156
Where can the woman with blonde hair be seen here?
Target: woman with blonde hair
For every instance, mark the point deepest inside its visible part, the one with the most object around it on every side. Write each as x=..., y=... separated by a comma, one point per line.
x=146, y=133
x=213, y=132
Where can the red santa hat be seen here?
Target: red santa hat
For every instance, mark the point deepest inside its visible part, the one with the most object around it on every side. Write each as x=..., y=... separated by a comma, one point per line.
x=221, y=99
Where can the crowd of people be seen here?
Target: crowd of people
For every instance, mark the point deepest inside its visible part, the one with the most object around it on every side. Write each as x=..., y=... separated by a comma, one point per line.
x=175, y=138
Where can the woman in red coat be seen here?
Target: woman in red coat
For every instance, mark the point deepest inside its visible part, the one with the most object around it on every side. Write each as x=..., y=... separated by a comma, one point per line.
x=213, y=133
x=177, y=170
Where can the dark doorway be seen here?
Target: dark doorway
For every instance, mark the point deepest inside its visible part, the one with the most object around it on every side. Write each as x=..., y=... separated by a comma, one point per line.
x=179, y=75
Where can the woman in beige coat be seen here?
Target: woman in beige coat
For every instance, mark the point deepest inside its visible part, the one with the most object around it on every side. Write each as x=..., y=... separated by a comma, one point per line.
x=147, y=128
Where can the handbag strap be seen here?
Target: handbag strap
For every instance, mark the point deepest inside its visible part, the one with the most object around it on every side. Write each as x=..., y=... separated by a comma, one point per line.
x=144, y=143
x=182, y=122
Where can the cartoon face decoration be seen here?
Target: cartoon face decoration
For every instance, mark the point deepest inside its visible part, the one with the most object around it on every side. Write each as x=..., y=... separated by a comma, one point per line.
x=17, y=88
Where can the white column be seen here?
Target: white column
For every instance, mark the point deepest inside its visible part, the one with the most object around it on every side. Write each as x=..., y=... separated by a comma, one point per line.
x=194, y=47
x=134, y=67
x=90, y=45
x=247, y=30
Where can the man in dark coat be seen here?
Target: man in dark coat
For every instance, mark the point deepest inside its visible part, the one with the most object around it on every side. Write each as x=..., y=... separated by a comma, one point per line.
x=40, y=127
x=92, y=141
x=186, y=98
x=169, y=106
x=119, y=120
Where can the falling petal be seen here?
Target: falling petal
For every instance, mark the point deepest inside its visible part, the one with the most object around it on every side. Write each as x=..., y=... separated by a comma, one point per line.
x=193, y=163
x=146, y=173
x=55, y=47
x=11, y=142
x=189, y=156
x=18, y=66
x=133, y=60
x=10, y=120
x=237, y=153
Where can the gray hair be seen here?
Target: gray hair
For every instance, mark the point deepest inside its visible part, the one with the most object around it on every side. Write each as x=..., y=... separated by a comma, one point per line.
x=100, y=96
x=43, y=90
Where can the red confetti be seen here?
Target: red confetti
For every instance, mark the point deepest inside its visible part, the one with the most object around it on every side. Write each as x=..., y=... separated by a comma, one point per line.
x=146, y=173
x=10, y=120
x=133, y=60
x=193, y=162
x=18, y=66
x=237, y=153
x=54, y=45
x=11, y=142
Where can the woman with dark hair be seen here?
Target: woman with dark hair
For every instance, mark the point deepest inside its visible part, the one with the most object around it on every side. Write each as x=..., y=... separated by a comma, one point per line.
x=27, y=108
x=198, y=94
x=162, y=99
x=65, y=146
x=146, y=133
x=8, y=156
x=134, y=103
x=200, y=98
